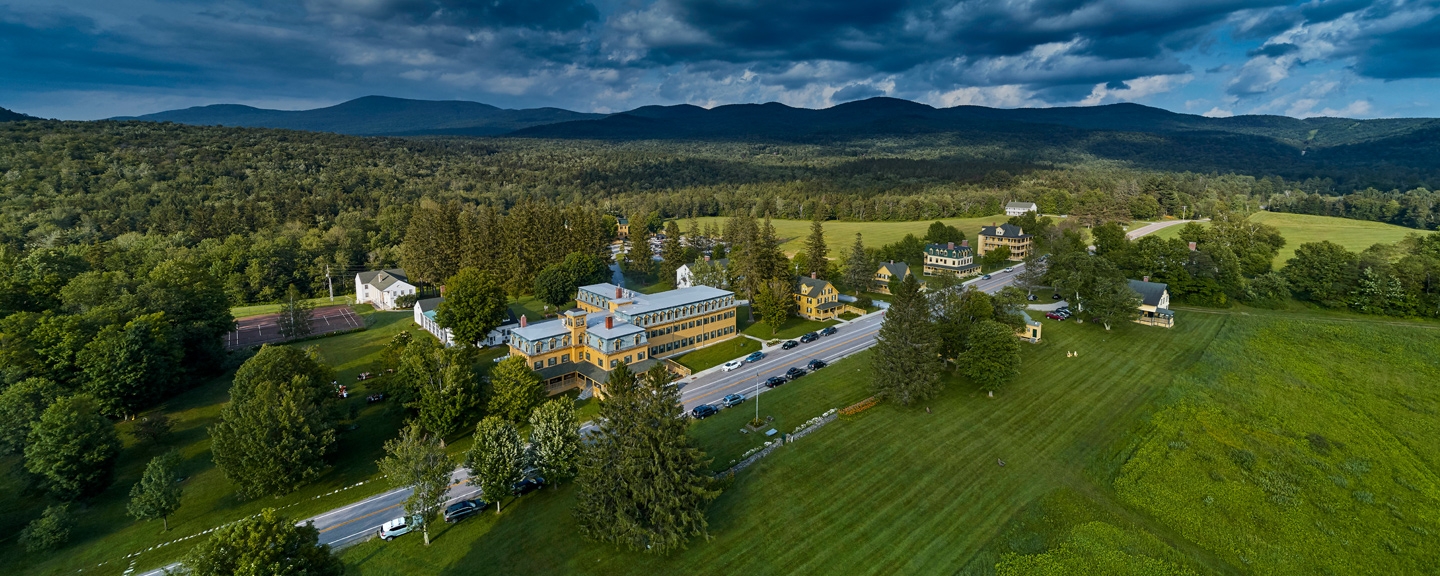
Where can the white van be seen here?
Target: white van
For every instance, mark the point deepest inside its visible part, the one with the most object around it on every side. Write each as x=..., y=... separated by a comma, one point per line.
x=399, y=527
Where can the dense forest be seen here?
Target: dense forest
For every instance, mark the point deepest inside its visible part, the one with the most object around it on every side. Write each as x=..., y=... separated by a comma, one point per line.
x=265, y=209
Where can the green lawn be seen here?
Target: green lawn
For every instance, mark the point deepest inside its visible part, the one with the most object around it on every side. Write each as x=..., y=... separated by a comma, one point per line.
x=530, y=306
x=794, y=327
x=262, y=309
x=1354, y=235
x=841, y=235
x=1238, y=442
x=717, y=354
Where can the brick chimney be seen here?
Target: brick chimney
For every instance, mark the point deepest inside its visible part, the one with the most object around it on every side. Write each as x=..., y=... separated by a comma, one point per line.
x=619, y=292
x=609, y=322
x=522, y=320
x=812, y=275
x=1144, y=278
x=952, y=245
x=965, y=243
x=707, y=257
x=1192, y=246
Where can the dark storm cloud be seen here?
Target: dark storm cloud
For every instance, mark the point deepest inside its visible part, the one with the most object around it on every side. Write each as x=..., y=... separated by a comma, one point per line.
x=538, y=14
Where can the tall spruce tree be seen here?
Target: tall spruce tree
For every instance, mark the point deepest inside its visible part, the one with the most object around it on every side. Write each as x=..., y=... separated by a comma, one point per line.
x=431, y=252
x=858, y=270
x=671, y=252
x=639, y=261
x=496, y=459
x=816, y=250
x=906, y=367
x=157, y=494
x=642, y=484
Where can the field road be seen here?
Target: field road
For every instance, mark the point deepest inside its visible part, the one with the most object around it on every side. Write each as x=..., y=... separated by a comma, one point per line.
x=359, y=521
x=1155, y=227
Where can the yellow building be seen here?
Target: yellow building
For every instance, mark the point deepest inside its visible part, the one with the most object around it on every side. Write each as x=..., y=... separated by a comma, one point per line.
x=1009, y=235
x=611, y=325
x=622, y=226
x=1030, y=332
x=817, y=299
x=950, y=260
x=1154, y=303
x=891, y=271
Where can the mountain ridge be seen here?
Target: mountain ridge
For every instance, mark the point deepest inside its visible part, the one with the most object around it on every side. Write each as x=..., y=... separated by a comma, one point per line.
x=13, y=116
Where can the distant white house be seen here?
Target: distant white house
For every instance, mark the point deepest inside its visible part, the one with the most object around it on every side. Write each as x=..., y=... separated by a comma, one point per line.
x=685, y=275
x=425, y=317
x=382, y=288
x=1020, y=208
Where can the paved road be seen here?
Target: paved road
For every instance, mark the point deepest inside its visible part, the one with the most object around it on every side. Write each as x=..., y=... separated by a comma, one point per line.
x=1152, y=228
x=359, y=521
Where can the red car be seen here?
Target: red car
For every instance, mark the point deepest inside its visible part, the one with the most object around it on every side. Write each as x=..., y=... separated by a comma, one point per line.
x=1056, y=316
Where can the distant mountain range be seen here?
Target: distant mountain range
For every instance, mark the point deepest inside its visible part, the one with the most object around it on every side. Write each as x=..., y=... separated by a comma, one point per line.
x=379, y=115
x=376, y=116
x=8, y=116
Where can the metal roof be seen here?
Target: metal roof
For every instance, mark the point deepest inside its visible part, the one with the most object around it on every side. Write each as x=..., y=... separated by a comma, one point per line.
x=382, y=279
x=1150, y=292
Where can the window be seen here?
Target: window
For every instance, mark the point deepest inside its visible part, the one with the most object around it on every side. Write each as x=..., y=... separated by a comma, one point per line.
x=640, y=356
x=627, y=359
x=539, y=365
x=551, y=362
x=614, y=363
x=564, y=358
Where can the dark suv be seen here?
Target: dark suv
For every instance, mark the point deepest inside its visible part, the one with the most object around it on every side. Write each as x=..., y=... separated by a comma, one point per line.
x=808, y=338
x=816, y=364
x=462, y=509
x=829, y=330
x=527, y=486
x=789, y=344
x=794, y=373
x=703, y=411
x=774, y=381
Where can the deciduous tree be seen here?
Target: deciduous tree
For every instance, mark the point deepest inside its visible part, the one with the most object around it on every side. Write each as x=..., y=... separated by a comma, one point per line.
x=417, y=460
x=266, y=544
x=72, y=448
x=514, y=390
x=50, y=531
x=129, y=367
x=555, y=440
x=1111, y=301
x=474, y=305
x=295, y=311
x=496, y=459
x=993, y=354
x=20, y=406
x=157, y=494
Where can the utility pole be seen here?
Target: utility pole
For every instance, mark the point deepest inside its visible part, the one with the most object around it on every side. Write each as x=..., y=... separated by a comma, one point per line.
x=329, y=283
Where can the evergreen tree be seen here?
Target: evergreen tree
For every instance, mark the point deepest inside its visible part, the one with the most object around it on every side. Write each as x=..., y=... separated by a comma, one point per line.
x=858, y=269
x=1031, y=276
x=672, y=252
x=907, y=361
x=266, y=544
x=555, y=440
x=769, y=261
x=639, y=261
x=157, y=494
x=418, y=461
x=279, y=427
x=443, y=400
x=642, y=483
x=496, y=459
x=294, y=320
x=532, y=240
x=816, y=250
x=774, y=303
x=514, y=390
x=72, y=448
x=957, y=310
x=474, y=305
x=50, y=531
x=993, y=354
x=20, y=406
x=431, y=252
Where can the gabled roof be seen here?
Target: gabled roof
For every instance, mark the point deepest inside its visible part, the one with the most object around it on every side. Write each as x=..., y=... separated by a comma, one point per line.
x=1150, y=292
x=429, y=304
x=897, y=270
x=945, y=251
x=722, y=263
x=1025, y=205
x=816, y=285
x=382, y=279
x=1006, y=230
x=542, y=330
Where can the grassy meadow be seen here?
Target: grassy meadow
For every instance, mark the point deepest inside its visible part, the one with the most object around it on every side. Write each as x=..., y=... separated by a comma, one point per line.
x=841, y=235
x=1354, y=235
x=1238, y=442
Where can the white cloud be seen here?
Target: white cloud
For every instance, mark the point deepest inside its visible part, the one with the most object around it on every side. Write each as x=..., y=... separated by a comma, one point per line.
x=1216, y=112
x=1006, y=96
x=1136, y=89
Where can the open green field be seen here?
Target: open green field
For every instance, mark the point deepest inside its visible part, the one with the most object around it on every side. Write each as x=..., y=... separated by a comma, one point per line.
x=841, y=235
x=262, y=309
x=794, y=327
x=105, y=533
x=717, y=354
x=1354, y=235
x=1238, y=442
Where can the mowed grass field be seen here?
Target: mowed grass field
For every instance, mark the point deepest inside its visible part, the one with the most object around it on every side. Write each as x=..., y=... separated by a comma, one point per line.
x=841, y=235
x=1354, y=235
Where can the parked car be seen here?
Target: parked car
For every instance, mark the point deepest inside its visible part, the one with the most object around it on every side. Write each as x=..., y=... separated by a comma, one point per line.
x=789, y=344
x=1030, y=297
x=794, y=373
x=1057, y=316
x=731, y=365
x=462, y=509
x=1009, y=269
x=755, y=356
x=1056, y=296
x=816, y=364
x=808, y=338
x=828, y=331
x=703, y=411
x=774, y=381
x=527, y=486
x=731, y=400
x=398, y=527
x=985, y=277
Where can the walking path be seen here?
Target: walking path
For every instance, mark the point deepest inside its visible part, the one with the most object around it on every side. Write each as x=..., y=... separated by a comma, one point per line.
x=1154, y=227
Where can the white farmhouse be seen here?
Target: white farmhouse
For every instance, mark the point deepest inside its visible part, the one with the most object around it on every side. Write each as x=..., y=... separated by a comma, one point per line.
x=381, y=288
x=685, y=274
x=425, y=317
x=1020, y=208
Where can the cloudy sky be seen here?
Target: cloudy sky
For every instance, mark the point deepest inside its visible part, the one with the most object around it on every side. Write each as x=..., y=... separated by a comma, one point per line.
x=85, y=59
